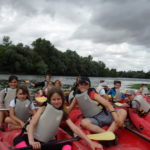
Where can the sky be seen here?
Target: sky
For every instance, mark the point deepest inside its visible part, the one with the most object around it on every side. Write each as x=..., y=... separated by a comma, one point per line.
x=116, y=32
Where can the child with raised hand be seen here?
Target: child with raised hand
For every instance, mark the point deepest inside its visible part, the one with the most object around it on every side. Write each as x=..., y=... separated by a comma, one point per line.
x=21, y=108
x=6, y=95
x=44, y=124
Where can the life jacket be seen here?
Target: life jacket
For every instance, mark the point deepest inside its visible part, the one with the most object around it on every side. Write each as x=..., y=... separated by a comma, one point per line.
x=22, y=109
x=144, y=105
x=10, y=94
x=88, y=107
x=118, y=95
x=145, y=90
x=48, y=124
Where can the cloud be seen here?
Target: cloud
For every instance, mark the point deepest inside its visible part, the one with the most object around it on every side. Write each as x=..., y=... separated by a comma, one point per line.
x=115, y=32
x=114, y=22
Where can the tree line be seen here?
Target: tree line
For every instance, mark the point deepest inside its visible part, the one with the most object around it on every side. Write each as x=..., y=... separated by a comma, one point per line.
x=42, y=57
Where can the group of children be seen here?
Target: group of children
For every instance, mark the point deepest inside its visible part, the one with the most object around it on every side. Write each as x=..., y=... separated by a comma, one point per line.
x=44, y=122
x=41, y=124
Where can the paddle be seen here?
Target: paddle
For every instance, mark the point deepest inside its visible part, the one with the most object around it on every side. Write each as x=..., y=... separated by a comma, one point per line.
x=117, y=104
x=105, y=136
x=138, y=134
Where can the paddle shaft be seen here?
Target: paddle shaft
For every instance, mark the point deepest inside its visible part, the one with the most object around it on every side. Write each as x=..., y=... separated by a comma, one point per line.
x=138, y=134
x=51, y=143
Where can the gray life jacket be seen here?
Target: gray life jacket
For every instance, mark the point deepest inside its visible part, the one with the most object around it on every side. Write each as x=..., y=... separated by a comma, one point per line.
x=88, y=107
x=118, y=95
x=145, y=90
x=22, y=109
x=144, y=105
x=9, y=95
x=48, y=124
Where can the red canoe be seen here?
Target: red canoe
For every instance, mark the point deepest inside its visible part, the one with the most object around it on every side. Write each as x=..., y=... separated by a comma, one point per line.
x=141, y=123
x=126, y=139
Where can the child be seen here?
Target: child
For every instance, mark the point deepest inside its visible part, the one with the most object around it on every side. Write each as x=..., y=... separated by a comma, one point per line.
x=20, y=110
x=57, y=84
x=40, y=131
x=6, y=95
x=49, y=86
x=96, y=118
x=138, y=103
x=115, y=92
x=144, y=89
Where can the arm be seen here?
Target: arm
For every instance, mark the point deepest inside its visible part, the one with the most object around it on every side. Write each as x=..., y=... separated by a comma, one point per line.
x=2, y=94
x=72, y=105
x=32, y=107
x=35, y=84
x=32, y=125
x=107, y=105
x=79, y=132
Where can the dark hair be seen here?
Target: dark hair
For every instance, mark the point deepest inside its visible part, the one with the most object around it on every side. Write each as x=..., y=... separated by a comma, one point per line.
x=48, y=74
x=59, y=92
x=24, y=90
x=84, y=80
x=58, y=82
x=115, y=82
x=12, y=77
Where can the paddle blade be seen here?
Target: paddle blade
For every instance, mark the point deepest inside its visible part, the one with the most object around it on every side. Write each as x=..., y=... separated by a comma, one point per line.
x=118, y=104
x=121, y=105
x=104, y=136
x=41, y=99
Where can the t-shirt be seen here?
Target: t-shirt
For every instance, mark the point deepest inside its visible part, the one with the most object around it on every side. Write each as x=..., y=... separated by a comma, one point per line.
x=102, y=92
x=13, y=104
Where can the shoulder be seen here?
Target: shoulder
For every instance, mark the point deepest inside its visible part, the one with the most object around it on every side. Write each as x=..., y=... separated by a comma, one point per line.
x=92, y=92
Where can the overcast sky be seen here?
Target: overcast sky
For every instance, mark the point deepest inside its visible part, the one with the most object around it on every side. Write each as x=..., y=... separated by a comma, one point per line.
x=116, y=32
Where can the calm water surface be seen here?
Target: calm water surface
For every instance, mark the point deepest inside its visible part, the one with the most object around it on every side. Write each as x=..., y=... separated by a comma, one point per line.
x=70, y=80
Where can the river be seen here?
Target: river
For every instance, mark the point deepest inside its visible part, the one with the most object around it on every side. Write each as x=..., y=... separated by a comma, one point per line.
x=70, y=80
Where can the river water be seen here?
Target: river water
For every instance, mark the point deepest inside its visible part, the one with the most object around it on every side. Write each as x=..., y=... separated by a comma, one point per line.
x=70, y=80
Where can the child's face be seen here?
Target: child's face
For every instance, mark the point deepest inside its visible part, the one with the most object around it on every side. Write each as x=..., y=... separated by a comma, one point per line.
x=56, y=100
x=47, y=78
x=83, y=87
x=117, y=86
x=50, y=84
x=13, y=83
x=21, y=95
x=57, y=84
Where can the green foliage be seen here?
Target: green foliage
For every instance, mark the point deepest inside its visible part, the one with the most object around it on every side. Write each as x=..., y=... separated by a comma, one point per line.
x=137, y=86
x=43, y=57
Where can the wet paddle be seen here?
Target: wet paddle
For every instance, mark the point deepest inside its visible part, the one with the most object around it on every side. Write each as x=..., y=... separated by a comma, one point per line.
x=105, y=136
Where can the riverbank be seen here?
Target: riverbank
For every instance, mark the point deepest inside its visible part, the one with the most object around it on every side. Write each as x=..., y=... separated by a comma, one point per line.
x=137, y=86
